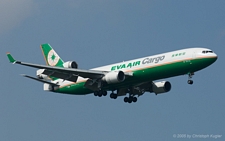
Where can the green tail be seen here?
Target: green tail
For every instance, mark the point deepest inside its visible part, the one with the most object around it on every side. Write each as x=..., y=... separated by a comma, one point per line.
x=50, y=56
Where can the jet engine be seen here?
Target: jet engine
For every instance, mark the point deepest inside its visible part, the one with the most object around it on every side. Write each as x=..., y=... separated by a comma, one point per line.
x=114, y=77
x=71, y=64
x=161, y=87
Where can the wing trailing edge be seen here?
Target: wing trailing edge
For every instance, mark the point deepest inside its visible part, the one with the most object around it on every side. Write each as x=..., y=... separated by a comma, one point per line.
x=40, y=80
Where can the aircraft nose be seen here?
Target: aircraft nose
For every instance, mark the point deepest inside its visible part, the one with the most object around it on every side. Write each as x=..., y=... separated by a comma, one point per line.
x=214, y=56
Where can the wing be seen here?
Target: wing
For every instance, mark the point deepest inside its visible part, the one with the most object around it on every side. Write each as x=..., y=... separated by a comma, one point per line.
x=63, y=73
x=40, y=80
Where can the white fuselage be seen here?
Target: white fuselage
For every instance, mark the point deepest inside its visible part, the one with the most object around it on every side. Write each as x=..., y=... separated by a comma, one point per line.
x=150, y=61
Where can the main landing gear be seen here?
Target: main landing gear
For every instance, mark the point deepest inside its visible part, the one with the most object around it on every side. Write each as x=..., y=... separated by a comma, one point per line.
x=130, y=99
x=190, y=75
x=100, y=93
x=104, y=93
x=113, y=95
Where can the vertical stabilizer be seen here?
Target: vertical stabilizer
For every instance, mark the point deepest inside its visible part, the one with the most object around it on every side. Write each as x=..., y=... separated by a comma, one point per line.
x=50, y=56
x=51, y=59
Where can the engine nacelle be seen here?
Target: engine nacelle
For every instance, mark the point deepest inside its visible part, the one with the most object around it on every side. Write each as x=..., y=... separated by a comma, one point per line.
x=71, y=64
x=114, y=77
x=161, y=87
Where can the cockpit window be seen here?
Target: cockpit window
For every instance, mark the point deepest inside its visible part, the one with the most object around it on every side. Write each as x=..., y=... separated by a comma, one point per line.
x=207, y=51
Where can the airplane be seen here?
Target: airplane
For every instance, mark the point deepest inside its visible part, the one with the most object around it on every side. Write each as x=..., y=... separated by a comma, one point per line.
x=132, y=78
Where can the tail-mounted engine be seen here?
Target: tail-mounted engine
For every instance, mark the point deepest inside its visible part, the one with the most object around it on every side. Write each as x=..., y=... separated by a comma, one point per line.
x=114, y=77
x=161, y=87
x=71, y=64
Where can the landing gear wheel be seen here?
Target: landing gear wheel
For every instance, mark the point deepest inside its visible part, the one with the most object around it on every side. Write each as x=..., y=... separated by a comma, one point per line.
x=125, y=99
x=113, y=96
x=134, y=99
x=104, y=93
x=95, y=93
x=190, y=82
x=130, y=99
x=100, y=94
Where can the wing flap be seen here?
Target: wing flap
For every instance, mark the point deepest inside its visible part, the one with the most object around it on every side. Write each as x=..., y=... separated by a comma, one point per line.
x=65, y=76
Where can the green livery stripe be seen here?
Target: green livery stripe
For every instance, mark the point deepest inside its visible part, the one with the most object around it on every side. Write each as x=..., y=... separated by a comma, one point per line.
x=75, y=88
x=148, y=74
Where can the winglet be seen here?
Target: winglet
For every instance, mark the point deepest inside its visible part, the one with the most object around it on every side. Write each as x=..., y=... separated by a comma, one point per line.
x=11, y=59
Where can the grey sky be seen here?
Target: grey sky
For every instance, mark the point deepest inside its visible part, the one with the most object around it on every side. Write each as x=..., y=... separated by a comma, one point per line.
x=96, y=33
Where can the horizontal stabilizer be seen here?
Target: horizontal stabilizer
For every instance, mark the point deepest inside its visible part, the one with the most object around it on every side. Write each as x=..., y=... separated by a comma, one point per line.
x=40, y=80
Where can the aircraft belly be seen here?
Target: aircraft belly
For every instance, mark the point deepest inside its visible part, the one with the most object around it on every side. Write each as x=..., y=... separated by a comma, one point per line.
x=75, y=89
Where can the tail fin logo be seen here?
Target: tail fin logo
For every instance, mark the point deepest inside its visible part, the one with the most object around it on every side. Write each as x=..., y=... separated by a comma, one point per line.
x=53, y=58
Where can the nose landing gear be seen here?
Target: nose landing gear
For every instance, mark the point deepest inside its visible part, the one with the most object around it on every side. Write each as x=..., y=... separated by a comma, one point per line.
x=190, y=82
x=190, y=75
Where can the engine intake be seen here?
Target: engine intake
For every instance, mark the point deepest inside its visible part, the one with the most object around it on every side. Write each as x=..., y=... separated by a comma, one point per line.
x=114, y=77
x=71, y=64
x=161, y=87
